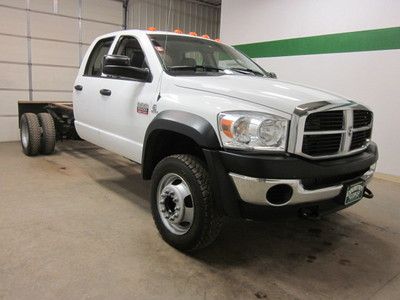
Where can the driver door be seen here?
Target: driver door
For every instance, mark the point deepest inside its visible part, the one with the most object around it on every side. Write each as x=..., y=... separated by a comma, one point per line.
x=127, y=108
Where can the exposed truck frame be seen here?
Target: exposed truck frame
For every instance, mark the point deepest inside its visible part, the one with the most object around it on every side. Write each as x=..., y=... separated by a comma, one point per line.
x=61, y=112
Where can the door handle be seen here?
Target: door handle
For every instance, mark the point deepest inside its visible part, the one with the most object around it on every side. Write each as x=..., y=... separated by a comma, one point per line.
x=105, y=92
x=78, y=87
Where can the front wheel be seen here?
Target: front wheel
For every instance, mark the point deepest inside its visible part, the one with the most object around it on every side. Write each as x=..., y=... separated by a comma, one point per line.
x=182, y=205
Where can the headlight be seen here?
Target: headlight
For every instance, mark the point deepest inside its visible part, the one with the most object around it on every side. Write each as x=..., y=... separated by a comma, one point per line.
x=253, y=131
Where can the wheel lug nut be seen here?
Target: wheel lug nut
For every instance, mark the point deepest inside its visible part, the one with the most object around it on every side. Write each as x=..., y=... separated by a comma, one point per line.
x=162, y=202
x=177, y=208
x=163, y=210
x=175, y=200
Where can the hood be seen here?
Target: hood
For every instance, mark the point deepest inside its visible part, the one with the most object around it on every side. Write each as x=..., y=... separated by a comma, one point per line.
x=278, y=95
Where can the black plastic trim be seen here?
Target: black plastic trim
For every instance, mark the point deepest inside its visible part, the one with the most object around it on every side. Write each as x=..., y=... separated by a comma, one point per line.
x=190, y=125
x=294, y=167
x=225, y=193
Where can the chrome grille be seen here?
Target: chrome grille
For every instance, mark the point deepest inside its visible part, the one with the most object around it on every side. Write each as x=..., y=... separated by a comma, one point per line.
x=362, y=118
x=328, y=131
x=360, y=139
x=322, y=144
x=326, y=120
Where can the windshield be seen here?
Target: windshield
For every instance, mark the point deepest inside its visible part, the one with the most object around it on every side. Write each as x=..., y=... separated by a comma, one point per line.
x=184, y=55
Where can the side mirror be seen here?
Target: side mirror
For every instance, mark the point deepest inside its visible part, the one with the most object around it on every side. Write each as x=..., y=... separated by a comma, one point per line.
x=120, y=66
x=272, y=75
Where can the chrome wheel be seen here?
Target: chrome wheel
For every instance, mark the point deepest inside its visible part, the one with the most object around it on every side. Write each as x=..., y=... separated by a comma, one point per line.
x=25, y=135
x=175, y=204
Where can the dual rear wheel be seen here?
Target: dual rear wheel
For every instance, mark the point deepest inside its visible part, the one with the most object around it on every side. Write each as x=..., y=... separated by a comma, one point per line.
x=38, y=133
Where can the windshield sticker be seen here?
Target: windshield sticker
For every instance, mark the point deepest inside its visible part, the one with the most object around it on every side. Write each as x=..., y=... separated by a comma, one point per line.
x=142, y=108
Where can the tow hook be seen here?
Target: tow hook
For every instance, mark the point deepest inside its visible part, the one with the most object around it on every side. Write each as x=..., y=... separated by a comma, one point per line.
x=368, y=194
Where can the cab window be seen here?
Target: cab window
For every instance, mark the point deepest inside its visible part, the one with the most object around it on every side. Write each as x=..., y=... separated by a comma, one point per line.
x=95, y=61
x=183, y=55
x=194, y=58
x=224, y=61
x=129, y=46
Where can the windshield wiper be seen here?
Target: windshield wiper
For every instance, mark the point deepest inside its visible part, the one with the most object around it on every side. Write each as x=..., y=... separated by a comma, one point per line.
x=194, y=68
x=247, y=71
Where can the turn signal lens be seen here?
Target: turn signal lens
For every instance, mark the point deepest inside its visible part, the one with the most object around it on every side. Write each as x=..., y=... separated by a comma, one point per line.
x=226, y=126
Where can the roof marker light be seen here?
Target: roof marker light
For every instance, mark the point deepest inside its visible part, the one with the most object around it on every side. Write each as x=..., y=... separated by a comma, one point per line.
x=193, y=33
x=152, y=28
x=178, y=31
x=206, y=36
x=218, y=40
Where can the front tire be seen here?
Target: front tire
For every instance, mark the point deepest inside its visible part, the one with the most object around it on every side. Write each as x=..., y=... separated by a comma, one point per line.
x=182, y=203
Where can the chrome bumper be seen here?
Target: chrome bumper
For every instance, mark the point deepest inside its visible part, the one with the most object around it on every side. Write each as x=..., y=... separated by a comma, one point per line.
x=254, y=190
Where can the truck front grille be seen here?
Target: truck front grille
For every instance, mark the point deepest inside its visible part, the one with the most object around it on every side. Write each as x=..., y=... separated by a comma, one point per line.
x=335, y=133
x=322, y=144
x=362, y=118
x=360, y=139
x=326, y=120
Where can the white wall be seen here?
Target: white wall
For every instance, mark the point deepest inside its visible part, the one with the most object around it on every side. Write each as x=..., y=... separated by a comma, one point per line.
x=372, y=78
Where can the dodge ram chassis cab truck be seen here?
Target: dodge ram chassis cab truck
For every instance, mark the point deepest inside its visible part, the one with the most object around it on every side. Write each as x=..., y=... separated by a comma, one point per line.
x=215, y=133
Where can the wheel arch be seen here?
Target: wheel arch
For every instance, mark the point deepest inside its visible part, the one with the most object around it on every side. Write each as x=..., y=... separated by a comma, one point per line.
x=171, y=131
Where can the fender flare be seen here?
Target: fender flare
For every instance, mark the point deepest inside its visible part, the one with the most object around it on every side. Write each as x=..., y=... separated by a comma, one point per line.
x=190, y=125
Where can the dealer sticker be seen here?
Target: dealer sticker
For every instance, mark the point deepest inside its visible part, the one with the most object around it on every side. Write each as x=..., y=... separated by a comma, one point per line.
x=354, y=193
x=142, y=108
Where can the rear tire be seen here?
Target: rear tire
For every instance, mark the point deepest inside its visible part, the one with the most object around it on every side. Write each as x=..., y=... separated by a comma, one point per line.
x=30, y=134
x=182, y=203
x=48, y=140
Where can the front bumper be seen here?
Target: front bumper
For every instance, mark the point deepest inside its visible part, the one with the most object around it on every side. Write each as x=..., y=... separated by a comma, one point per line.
x=240, y=181
x=255, y=190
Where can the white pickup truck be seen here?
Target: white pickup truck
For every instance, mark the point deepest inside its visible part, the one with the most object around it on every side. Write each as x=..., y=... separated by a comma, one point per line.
x=217, y=135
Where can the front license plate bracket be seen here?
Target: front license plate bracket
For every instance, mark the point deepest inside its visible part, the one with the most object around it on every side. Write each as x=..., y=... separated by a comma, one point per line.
x=354, y=192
